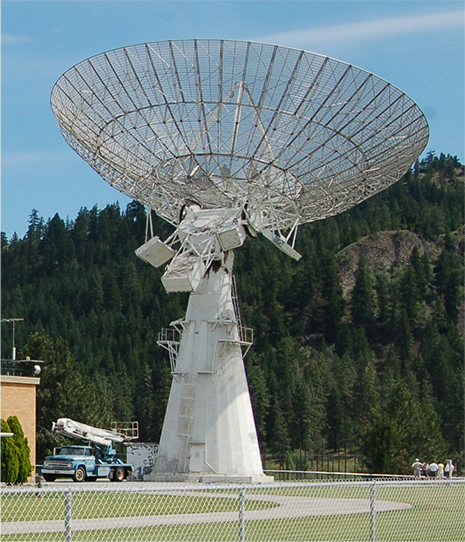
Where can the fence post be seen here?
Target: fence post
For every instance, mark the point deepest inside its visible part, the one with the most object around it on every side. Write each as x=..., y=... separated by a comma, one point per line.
x=242, y=514
x=373, y=512
x=68, y=515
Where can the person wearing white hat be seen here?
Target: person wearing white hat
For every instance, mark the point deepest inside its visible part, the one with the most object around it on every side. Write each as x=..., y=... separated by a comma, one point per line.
x=417, y=468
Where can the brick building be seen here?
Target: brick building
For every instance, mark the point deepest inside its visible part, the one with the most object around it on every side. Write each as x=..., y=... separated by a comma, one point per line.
x=18, y=398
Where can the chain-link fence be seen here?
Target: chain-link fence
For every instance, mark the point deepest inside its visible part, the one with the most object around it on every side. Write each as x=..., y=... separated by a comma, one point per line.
x=327, y=511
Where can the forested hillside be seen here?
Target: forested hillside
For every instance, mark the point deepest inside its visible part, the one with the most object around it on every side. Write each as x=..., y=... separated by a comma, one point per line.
x=359, y=345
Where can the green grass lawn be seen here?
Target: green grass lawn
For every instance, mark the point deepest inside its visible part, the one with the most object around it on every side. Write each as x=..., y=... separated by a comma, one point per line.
x=50, y=506
x=437, y=513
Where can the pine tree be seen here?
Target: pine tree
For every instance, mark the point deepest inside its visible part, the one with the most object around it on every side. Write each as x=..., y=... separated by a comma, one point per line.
x=382, y=303
x=261, y=399
x=333, y=303
x=145, y=406
x=442, y=270
x=280, y=443
x=362, y=307
x=420, y=266
x=131, y=284
x=392, y=366
x=317, y=375
x=409, y=295
x=403, y=339
x=96, y=291
x=452, y=295
x=341, y=404
x=35, y=230
x=301, y=428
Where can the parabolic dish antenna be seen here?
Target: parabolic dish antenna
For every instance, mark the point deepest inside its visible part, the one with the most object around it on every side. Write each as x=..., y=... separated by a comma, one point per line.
x=224, y=139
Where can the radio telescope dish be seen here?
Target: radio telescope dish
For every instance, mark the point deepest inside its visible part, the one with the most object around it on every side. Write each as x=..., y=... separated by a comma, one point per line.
x=225, y=139
x=295, y=136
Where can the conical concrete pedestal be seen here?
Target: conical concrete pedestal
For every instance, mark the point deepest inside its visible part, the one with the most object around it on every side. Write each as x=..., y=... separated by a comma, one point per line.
x=209, y=430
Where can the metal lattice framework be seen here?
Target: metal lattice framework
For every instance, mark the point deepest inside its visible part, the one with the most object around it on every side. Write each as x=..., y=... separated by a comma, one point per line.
x=290, y=136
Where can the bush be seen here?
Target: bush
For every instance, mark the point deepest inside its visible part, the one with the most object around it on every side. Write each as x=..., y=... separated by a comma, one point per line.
x=10, y=457
x=25, y=466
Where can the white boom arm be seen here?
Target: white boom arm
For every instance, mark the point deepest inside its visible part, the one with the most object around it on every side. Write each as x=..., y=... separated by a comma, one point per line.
x=81, y=431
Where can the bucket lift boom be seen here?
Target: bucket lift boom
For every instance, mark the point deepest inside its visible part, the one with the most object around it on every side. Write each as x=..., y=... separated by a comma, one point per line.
x=102, y=437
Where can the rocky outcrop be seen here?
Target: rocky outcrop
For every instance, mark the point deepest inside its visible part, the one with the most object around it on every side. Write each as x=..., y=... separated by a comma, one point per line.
x=382, y=251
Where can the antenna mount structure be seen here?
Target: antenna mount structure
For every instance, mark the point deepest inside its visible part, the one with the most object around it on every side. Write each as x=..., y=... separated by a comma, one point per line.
x=225, y=140
x=13, y=321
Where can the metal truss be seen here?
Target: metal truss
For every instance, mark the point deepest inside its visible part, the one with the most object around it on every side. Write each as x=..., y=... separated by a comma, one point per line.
x=290, y=136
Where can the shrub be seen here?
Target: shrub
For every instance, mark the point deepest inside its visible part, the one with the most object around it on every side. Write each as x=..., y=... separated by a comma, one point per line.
x=25, y=466
x=10, y=457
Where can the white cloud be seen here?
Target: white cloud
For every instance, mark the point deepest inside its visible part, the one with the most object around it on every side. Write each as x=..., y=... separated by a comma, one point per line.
x=14, y=39
x=368, y=30
x=18, y=160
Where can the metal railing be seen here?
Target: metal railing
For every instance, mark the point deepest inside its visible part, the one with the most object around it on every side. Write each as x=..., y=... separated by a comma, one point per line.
x=283, y=475
x=375, y=510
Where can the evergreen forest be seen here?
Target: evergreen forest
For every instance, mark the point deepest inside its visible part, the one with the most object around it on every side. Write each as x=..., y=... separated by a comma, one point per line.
x=357, y=347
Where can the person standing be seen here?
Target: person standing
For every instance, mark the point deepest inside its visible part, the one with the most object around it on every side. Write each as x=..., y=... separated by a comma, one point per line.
x=449, y=468
x=417, y=468
x=440, y=470
x=426, y=469
x=433, y=468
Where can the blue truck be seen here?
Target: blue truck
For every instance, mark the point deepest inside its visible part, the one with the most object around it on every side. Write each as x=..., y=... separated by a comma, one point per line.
x=97, y=459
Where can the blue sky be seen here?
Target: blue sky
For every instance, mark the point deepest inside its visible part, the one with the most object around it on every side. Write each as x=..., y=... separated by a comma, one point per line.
x=416, y=45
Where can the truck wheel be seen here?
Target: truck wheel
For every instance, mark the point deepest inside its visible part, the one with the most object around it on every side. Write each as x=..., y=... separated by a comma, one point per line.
x=49, y=477
x=79, y=475
x=119, y=475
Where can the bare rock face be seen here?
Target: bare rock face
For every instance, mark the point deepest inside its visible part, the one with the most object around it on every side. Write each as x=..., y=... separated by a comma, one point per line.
x=382, y=251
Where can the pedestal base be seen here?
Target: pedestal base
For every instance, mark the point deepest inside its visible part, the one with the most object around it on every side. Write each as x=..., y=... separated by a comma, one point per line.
x=207, y=478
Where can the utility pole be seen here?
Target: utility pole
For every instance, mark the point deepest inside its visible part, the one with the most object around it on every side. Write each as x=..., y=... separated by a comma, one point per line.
x=13, y=321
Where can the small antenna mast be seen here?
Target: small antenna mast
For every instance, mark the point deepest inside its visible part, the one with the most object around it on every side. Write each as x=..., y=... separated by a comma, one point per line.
x=13, y=321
